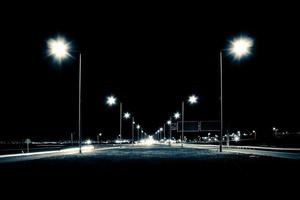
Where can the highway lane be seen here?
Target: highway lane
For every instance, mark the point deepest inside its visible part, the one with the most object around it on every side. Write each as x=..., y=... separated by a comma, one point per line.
x=286, y=153
x=47, y=154
x=135, y=166
x=269, y=153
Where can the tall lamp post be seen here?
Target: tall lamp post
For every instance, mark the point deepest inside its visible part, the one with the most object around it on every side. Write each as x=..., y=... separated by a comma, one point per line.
x=160, y=132
x=138, y=132
x=192, y=100
x=132, y=130
x=239, y=47
x=111, y=100
x=60, y=50
x=169, y=122
x=127, y=115
x=98, y=138
x=176, y=116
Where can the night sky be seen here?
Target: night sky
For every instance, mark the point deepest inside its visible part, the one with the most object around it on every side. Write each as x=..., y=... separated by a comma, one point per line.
x=151, y=57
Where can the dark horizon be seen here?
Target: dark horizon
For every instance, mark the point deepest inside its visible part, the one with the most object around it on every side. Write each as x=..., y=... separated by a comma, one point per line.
x=151, y=62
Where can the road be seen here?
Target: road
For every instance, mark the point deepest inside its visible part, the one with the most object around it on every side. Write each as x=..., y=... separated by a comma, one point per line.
x=140, y=166
x=287, y=153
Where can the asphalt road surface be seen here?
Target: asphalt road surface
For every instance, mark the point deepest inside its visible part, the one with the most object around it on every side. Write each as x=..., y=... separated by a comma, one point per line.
x=140, y=166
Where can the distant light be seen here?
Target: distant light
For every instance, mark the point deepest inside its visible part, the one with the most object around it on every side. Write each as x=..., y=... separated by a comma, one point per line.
x=138, y=126
x=169, y=122
x=177, y=115
x=236, y=138
x=240, y=47
x=160, y=129
x=133, y=122
x=127, y=115
x=193, y=99
x=85, y=148
x=58, y=48
x=148, y=141
x=88, y=142
x=111, y=100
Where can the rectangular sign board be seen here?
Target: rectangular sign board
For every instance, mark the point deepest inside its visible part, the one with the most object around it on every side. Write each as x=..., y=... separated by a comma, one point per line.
x=210, y=126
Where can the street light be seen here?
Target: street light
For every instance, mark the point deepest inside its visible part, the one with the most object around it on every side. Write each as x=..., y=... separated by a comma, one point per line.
x=132, y=127
x=160, y=132
x=169, y=122
x=192, y=100
x=127, y=115
x=99, y=135
x=177, y=115
x=138, y=131
x=275, y=131
x=59, y=49
x=238, y=48
x=254, y=133
x=111, y=100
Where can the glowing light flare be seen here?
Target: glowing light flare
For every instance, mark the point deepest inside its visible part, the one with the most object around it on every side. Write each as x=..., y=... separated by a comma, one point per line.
x=193, y=99
x=240, y=47
x=236, y=138
x=88, y=142
x=59, y=48
x=169, y=122
x=127, y=115
x=177, y=115
x=111, y=100
x=84, y=149
x=148, y=141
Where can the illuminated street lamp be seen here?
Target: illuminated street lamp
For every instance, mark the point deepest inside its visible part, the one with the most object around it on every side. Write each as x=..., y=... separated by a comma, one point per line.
x=59, y=49
x=127, y=115
x=177, y=115
x=111, y=101
x=169, y=122
x=191, y=100
x=132, y=130
x=254, y=133
x=98, y=136
x=160, y=130
x=238, y=48
x=138, y=131
x=275, y=130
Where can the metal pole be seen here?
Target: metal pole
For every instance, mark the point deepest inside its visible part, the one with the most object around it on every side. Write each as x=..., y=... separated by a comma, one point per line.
x=164, y=131
x=27, y=147
x=132, y=130
x=159, y=137
x=170, y=131
x=182, y=125
x=120, y=123
x=98, y=138
x=227, y=138
x=79, y=105
x=221, y=100
x=72, y=139
x=138, y=134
